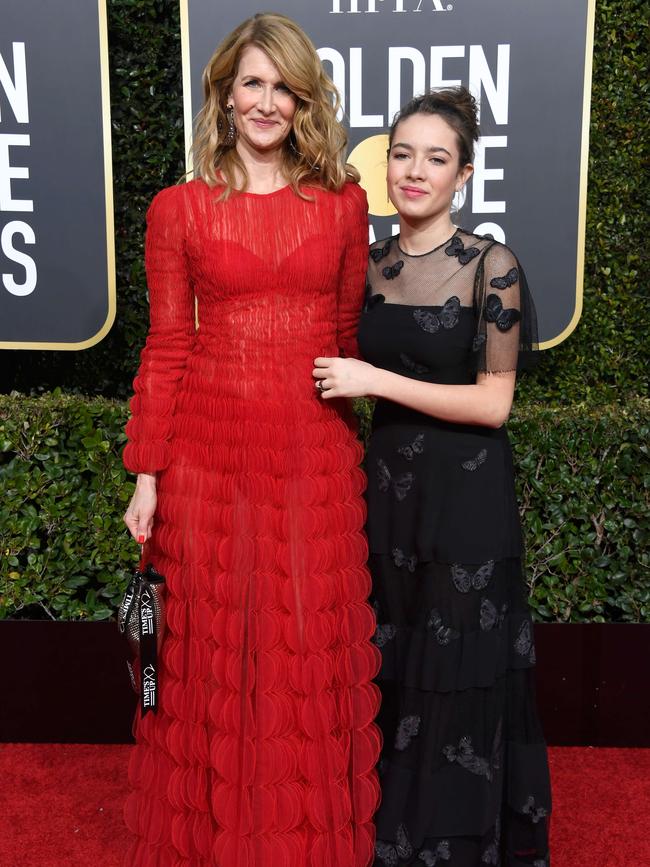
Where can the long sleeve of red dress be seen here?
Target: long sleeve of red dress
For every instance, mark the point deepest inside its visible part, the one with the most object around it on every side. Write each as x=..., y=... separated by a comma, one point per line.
x=353, y=273
x=170, y=340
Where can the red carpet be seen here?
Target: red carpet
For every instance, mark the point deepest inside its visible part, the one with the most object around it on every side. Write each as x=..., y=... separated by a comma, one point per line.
x=60, y=806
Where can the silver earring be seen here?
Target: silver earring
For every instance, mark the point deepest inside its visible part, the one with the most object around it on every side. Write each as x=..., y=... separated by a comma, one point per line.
x=230, y=138
x=458, y=200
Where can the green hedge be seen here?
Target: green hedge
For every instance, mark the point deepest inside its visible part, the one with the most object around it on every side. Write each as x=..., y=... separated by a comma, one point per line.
x=602, y=361
x=584, y=486
x=63, y=492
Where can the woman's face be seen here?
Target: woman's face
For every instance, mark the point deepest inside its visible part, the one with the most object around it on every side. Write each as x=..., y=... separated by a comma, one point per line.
x=423, y=167
x=263, y=104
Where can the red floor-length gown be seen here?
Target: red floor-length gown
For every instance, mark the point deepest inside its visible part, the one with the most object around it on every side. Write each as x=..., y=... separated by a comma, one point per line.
x=262, y=753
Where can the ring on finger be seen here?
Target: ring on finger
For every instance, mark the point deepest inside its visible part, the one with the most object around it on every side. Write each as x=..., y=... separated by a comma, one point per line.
x=320, y=385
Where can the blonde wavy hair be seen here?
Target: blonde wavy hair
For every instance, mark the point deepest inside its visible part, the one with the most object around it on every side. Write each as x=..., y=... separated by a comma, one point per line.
x=314, y=152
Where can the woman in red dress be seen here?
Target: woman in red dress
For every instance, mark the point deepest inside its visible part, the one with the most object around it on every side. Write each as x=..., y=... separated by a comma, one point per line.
x=249, y=492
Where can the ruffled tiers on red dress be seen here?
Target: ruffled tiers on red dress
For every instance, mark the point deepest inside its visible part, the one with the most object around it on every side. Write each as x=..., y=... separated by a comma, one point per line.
x=262, y=753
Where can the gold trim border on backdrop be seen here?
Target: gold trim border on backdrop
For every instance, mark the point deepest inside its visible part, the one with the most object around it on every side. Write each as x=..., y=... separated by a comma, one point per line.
x=584, y=168
x=108, y=196
x=584, y=149
x=188, y=118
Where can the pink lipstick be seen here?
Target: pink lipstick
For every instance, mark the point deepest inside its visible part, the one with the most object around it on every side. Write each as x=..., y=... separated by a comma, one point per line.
x=413, y=192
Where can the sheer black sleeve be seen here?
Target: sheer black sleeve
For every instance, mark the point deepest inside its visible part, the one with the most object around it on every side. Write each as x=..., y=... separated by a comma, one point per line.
x=506, y=332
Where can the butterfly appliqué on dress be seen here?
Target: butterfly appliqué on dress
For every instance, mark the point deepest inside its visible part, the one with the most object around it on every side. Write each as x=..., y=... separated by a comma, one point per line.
x=380, y=252
x=465, y=581
x=384, y=633
x=491, y=616
x=401, y=485
x=407, y=729
x=411, y=365
x=443, y=634
x=442, y=853
x=535, y=813
x=524, y=644
x=457, y=248
x=491, y=855
x=508, y=279
x=410, y=450
x=447, y=318
x=474, y=463
x=478, y=341
x=465, y=756
x=503, y=318
x=400, y=559
x=390, y=853
x=392, y=271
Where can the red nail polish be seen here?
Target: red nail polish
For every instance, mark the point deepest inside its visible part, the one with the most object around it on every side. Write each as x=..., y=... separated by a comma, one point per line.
x=141, y=539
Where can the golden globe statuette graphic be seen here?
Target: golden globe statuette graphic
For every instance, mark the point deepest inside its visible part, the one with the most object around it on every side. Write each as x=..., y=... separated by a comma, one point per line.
x=369, y=158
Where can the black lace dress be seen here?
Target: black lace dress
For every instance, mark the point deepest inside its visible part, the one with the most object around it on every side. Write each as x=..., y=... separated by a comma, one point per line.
x=464, y=771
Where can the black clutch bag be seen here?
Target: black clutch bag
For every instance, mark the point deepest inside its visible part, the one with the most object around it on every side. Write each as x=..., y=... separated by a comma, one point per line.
x=141, y=618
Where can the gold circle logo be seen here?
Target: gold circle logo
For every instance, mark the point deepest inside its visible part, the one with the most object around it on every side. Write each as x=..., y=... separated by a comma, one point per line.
x=369, y=158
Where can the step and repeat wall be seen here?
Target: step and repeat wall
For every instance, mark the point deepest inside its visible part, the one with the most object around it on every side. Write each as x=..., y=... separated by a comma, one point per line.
x=57, y=274
x=528, y=63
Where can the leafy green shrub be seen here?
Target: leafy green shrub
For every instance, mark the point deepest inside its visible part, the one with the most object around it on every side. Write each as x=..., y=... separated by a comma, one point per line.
x=62, y=495
x=583, y=477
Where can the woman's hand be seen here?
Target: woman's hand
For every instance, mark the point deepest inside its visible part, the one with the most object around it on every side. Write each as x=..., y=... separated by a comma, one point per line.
x=344, y=377
x=139, y=516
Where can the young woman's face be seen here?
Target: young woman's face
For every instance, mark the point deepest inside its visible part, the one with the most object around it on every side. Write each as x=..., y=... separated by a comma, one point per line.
x=264, y=106
x=423, y=167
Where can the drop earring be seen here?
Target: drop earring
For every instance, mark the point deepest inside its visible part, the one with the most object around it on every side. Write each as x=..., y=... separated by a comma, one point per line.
x=230, y=138
x=458, y=200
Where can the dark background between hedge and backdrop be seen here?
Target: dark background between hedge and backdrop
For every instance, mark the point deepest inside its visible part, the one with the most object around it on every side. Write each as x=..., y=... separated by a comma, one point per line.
x=580, y=430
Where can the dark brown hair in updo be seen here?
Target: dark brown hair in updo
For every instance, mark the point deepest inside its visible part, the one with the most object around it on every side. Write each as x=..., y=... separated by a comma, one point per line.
x=458, y=108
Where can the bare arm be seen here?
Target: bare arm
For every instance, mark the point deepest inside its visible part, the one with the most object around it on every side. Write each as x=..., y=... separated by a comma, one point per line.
x=485, y=403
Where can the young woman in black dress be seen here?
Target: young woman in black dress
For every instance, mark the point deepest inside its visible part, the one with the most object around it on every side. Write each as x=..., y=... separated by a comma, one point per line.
x=448, y=317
